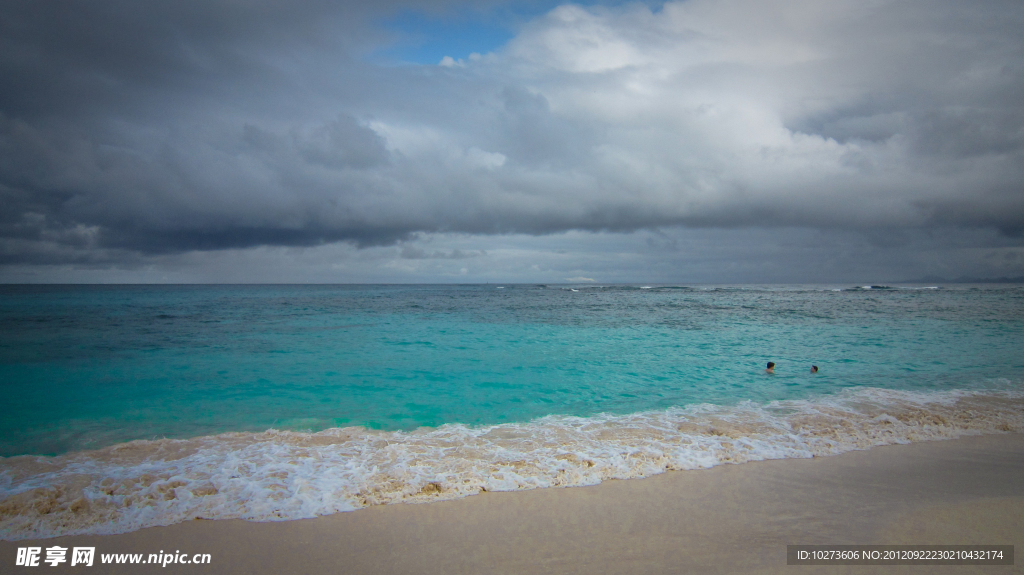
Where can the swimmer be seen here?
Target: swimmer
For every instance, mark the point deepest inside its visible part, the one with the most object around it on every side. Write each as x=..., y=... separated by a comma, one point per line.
x=771, y=368
x=814, y=369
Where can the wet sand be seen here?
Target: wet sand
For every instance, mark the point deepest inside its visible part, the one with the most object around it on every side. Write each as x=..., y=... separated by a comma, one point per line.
x=729, y=519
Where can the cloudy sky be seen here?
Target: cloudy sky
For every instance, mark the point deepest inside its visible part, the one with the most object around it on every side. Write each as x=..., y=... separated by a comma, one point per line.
x=711, y=141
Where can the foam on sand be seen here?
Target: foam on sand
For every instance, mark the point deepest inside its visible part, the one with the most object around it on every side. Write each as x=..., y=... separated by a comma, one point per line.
x=277, y=475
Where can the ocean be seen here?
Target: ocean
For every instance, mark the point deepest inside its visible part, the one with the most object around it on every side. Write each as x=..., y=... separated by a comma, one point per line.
x=132, y=406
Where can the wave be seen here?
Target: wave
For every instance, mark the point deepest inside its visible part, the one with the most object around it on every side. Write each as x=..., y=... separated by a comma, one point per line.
x=619, y=288
x=279, y=475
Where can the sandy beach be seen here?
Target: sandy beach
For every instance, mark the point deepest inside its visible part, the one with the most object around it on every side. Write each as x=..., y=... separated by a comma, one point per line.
x=729, y=519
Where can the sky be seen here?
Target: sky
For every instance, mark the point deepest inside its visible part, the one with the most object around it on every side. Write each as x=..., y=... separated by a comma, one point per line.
x=439, y=141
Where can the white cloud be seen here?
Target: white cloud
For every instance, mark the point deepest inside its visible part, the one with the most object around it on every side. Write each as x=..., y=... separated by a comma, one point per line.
x=573, y=39
x=449, y=62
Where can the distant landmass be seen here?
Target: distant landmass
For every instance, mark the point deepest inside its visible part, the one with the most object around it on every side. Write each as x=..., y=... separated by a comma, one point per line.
x=965, y=280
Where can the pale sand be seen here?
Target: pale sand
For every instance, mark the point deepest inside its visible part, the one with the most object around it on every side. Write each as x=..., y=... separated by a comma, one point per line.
x=730, y=519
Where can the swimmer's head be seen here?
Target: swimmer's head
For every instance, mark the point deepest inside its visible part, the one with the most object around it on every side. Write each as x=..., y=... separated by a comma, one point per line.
x=771, y=365
x=814, y=369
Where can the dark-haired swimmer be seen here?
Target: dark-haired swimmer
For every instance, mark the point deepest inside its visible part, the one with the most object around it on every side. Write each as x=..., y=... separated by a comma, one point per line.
x=770, y=368
x=814, y=369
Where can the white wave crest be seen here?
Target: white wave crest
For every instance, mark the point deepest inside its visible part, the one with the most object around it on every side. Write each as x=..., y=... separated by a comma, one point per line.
x=278, y=475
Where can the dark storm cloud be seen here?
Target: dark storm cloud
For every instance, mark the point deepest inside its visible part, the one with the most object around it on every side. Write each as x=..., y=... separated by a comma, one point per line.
x=130, y=128
x=72, y=58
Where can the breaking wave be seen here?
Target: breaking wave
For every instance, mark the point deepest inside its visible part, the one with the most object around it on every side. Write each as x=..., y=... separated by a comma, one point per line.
x=279, y=475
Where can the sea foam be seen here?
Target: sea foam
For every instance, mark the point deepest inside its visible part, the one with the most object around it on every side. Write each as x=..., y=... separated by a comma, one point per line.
x=279, y=475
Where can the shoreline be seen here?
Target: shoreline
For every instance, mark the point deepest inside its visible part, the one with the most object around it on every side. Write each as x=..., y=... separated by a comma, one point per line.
x=276, y=475
x=729, y=518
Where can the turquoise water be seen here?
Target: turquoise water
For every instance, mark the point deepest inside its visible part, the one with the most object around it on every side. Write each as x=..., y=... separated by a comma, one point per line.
x=88, y=366
x=131, y=406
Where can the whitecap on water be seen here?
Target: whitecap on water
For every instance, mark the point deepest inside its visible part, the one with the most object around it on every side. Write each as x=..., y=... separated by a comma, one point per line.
x=278, y=475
